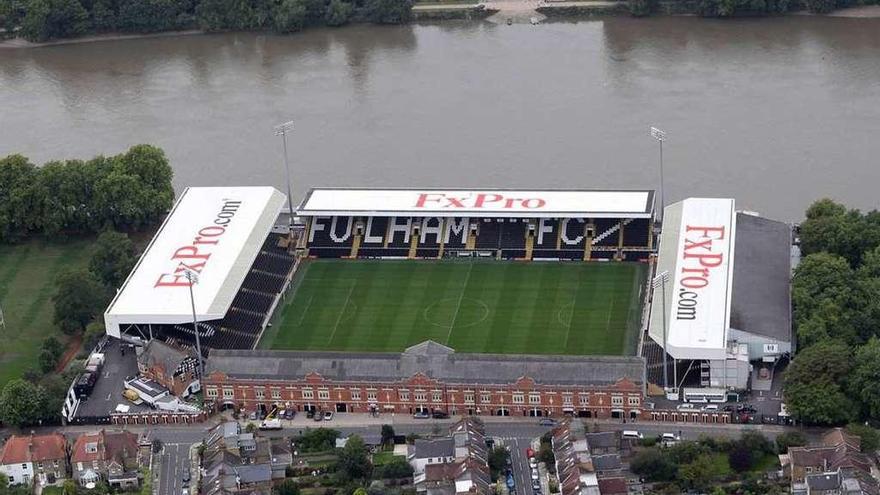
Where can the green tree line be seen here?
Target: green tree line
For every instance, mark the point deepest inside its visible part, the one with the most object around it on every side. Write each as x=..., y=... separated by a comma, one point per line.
x=835, y=377
x=42, y=20
x=126, y=192
x=745, y=8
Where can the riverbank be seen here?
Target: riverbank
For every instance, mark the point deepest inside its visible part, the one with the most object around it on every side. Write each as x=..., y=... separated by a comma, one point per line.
x=470, y=11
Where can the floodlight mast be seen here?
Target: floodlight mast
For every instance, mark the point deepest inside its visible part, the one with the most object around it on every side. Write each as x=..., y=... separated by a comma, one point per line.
x=660, y=281
x=193, y=279
x=660, y=136
x=282, y=130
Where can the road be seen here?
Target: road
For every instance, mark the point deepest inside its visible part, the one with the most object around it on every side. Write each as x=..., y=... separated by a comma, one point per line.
x=521, y=471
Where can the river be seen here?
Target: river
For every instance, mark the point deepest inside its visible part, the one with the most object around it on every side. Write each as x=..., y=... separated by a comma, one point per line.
x=774, y=112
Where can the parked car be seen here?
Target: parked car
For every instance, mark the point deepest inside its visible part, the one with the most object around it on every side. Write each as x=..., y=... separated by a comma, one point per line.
x=533, y=463
x=310, y=414
x=548, y=422
x=289, y=414
x=536, y=485
x=711, y=408
x=669, y=439
x=185, y=478
x=328, y=415
x=685, y=407
x=319, y=416
x=439, y=415
x=535, y=475
x=632, y=435
x=530, y=452
x=421, y=415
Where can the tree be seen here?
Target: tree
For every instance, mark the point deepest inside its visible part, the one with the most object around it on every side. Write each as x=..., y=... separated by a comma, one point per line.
x=156, y=445
x=353, y=460
x=19, y=201
x=22, y=403
x=11, y=13
x=813, y=384
x=740, y=458
x=147, y=16
x=287, y=487
x=653, y=465
x=497, y=460
x=50, y=353
x=113, y=259
x=870, y=437
x=317, y=440
x=789, y=439
x=545, y=455
x=50, y=19
x=68, y=488
x=338, y=13
x=387, y=435
x=699, y=473
x=359, y=491
x=78, y=298
x=864, y=381
x=290, y=16
x=641, y=8
x=389, y=11
x=397, y=468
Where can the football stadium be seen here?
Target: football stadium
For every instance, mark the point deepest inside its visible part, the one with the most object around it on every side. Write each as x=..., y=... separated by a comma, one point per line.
x=563, y=297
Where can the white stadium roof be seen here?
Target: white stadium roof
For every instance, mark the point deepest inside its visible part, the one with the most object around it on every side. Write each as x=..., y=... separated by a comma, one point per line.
x=215, y=231
x=697, y=250
x=477, y=203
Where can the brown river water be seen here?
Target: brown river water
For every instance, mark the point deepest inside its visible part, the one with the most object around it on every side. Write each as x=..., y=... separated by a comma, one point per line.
x=774, y=112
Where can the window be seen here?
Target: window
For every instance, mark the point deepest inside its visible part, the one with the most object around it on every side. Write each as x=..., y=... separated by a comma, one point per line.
x=469, y=398
x=633, y=401
x=534, y=398
x=92, y=447
x=518, y=398
x=228, y=393
x=616, y=400
x=259, y=393
x=276, y=394
x=371, y=395
x=324, y=394
x=485, y=398
x=420, y=396
x=404, y=395
x=355, y=394
x=211, y=393
x=566, y=400
x=39, y=465
x=437, y=396
x=308, y=393
x=584, y=399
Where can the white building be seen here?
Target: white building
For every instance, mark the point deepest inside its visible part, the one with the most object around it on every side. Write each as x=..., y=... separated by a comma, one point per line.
x=726, y=299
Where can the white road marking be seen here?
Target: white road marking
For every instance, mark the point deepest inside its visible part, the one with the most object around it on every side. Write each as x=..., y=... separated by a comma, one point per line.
x=467, y=279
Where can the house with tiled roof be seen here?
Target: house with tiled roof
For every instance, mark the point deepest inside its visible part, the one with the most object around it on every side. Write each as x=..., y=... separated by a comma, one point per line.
x=109, y=456
x=836, y=466
x=33, y=458
x=455, y=464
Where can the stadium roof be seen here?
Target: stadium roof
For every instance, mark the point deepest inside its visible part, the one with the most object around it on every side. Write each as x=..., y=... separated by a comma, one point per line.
x=697, y=250
x=477, y=203
x=433, y=359
x=761, y=301
x=215, y=231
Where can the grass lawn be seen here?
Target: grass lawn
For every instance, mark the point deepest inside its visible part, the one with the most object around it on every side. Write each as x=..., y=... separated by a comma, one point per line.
x=52, y=490
x=27, y=275
x=383, y=457
x=472, y=306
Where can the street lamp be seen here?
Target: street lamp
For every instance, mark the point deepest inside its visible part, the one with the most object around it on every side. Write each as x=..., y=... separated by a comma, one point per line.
x=193, y=279
x=660, y=136
x=660, y=281
x=282, y=130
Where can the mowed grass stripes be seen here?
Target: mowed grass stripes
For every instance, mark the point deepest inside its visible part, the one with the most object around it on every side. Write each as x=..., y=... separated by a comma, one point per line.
x=481, y=306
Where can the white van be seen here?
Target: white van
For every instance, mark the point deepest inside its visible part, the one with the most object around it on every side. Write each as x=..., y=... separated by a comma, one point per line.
x=669, y=439
x=632, y=434
x=711, y=408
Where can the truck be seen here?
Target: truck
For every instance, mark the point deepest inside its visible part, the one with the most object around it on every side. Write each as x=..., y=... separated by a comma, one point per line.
x=270, y=424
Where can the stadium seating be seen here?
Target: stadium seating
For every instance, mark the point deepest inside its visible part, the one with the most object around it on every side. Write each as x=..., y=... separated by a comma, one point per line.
x=241, y=326
x=637, y=232
x=606, y=232
x=488, y=234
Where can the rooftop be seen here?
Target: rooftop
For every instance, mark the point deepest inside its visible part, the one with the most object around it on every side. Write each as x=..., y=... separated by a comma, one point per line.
x=33, y=448
x=439, y=447
x=761, y=301
x=429, y=358
x=477, y=203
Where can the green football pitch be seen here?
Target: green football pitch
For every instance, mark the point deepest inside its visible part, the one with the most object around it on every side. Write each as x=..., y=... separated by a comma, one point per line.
x=471, y=306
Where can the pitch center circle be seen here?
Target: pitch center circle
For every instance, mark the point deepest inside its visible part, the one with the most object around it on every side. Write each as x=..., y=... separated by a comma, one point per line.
x=463, y=313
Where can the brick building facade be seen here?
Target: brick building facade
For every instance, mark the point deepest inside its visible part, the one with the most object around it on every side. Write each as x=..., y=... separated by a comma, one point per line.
x=428, y=377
